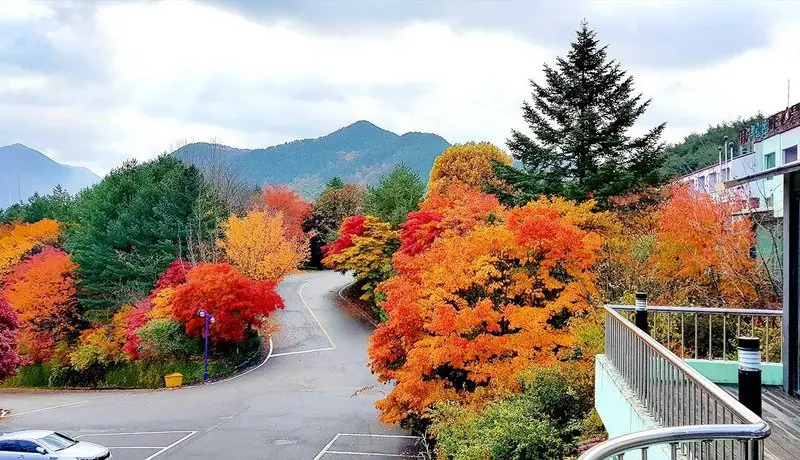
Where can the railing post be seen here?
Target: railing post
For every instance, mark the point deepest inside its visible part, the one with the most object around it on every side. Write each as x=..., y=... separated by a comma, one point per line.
x=641, y=312
x=750, y=373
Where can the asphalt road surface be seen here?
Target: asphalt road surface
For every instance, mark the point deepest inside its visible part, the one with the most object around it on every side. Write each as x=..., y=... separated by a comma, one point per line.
x=313, y=399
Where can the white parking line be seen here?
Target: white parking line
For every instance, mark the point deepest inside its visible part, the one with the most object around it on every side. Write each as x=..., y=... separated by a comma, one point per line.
x=17, y=414
x=302, y=351
x=372, y=454
x=300, y=293
x=171, y=445
x=326, y=450
x=161, y=449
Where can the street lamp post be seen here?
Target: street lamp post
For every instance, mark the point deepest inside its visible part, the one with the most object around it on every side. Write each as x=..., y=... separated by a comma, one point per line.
x=209, y=320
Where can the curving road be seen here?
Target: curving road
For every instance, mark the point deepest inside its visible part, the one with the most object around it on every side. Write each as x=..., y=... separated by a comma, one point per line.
x=313, y=399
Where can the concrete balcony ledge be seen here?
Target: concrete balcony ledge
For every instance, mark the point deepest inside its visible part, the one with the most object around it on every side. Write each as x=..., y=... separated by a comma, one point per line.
x=727, y=372
x=619, y=408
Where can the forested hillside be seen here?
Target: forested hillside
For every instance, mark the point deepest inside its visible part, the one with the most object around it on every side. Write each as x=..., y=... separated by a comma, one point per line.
x=699, y=150
x=361, y=152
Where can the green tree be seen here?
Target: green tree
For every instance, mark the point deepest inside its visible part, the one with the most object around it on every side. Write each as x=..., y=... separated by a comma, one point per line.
x=57, y=206
x=580, y=118
x=397, y=194
x=335, y=183
x=132, y=224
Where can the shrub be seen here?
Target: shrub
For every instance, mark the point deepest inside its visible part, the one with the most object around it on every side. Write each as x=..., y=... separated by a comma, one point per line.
x=166, y=338
x=544, y=421
x=506, y=430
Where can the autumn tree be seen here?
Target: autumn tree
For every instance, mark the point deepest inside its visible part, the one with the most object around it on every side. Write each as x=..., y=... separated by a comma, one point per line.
x=18, y=239
x=398, y=194
x=469, y=164
x=701, y=252
x=581, y=118
x=41, y=290
x=258, y=246
x=365, y=248
x=9, y=358
x=453, y=210
x=473, y=311
x=237, y=302
x=293, y=209
x=334, y=205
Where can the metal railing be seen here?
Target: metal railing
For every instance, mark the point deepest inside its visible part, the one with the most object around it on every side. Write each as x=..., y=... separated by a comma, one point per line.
x=698, y=419
x=710, y=333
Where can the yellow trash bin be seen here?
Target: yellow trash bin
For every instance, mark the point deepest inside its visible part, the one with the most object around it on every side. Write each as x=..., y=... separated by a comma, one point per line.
x=173, y=380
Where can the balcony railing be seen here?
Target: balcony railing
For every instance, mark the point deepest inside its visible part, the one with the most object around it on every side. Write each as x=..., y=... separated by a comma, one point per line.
x=697, y=419
x=710, y=333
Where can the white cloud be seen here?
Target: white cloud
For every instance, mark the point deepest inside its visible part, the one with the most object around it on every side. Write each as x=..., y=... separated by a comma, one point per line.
x=178, y=70
x=23, y=10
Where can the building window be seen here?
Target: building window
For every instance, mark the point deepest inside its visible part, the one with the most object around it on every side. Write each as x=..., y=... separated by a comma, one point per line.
x=769, y=160
x=701, y=183
x=790, y=155
x=712, y=180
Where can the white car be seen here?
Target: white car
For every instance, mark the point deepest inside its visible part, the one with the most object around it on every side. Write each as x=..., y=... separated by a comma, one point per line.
x=48, y=445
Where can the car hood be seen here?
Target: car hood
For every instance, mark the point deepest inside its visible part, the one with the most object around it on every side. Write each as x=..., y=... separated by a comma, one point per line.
x=83, y=449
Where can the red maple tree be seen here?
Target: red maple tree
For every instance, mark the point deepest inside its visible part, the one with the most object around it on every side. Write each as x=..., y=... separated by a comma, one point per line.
x=237, y=302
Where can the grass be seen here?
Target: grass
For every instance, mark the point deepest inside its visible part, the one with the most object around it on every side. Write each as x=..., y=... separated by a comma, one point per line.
x=134, y=374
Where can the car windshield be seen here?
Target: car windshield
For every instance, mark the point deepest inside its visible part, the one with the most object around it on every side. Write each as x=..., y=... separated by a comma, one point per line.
x=56, y=441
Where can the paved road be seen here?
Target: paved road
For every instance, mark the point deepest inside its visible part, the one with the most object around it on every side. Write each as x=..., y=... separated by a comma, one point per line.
x=312, y=400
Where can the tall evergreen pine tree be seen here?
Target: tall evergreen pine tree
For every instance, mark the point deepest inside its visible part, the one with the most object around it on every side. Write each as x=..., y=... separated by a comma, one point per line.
x=580, y=120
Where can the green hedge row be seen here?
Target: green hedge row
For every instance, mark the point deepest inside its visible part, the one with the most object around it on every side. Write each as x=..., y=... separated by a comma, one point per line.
x=134, y=374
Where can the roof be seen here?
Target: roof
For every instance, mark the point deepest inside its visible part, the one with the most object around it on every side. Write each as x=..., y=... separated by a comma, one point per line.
x=28, y=434
x=765, y=174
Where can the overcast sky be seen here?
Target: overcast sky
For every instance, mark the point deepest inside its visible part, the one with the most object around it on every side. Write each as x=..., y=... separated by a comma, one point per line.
x=92, y=84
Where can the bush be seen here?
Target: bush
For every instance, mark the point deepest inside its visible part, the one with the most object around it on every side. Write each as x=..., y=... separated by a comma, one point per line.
x=166, y=338
x=137, y=374
x=32, y=376
x=544, y=421
x=505, y=430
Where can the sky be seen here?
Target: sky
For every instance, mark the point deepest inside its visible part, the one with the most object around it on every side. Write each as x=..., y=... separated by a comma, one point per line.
x=95, y=83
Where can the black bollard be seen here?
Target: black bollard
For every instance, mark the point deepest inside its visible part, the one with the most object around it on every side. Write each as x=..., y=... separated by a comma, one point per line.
x=641, y=312
x=750, y=373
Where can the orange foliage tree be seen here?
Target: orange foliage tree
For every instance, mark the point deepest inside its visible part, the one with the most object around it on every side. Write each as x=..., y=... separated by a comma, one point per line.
x=365, y=247
x=469, y=164
x=701, y=252
x=18, y=239
x=450, y=212
x=295, y=210
x=477, y=308
x=257, y=246
x=41, y=290
x=237, y=302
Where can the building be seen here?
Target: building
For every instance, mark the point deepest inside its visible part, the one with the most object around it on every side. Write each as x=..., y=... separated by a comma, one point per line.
x=666, y=383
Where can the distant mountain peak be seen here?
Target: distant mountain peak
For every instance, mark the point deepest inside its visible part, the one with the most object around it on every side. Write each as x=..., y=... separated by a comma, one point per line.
x=359, y=152
x=27, y=171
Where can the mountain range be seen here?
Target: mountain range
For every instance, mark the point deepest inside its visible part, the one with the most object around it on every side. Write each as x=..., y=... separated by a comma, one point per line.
x=25, y=171
x=360, y=152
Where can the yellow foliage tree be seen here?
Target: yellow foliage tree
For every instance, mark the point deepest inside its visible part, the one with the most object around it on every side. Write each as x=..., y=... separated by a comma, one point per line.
x=18, y=239
x=258, y=247
x=365, y=247
x=469, y=164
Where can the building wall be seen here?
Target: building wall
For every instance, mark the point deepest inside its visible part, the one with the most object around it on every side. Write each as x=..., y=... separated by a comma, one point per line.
x=767, y=192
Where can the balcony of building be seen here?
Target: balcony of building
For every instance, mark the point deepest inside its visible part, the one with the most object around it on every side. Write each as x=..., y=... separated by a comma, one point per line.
x=670, y=391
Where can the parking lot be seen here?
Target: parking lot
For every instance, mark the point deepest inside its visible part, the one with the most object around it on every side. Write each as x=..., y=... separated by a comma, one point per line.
x=371, y=446
x=142, y=445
